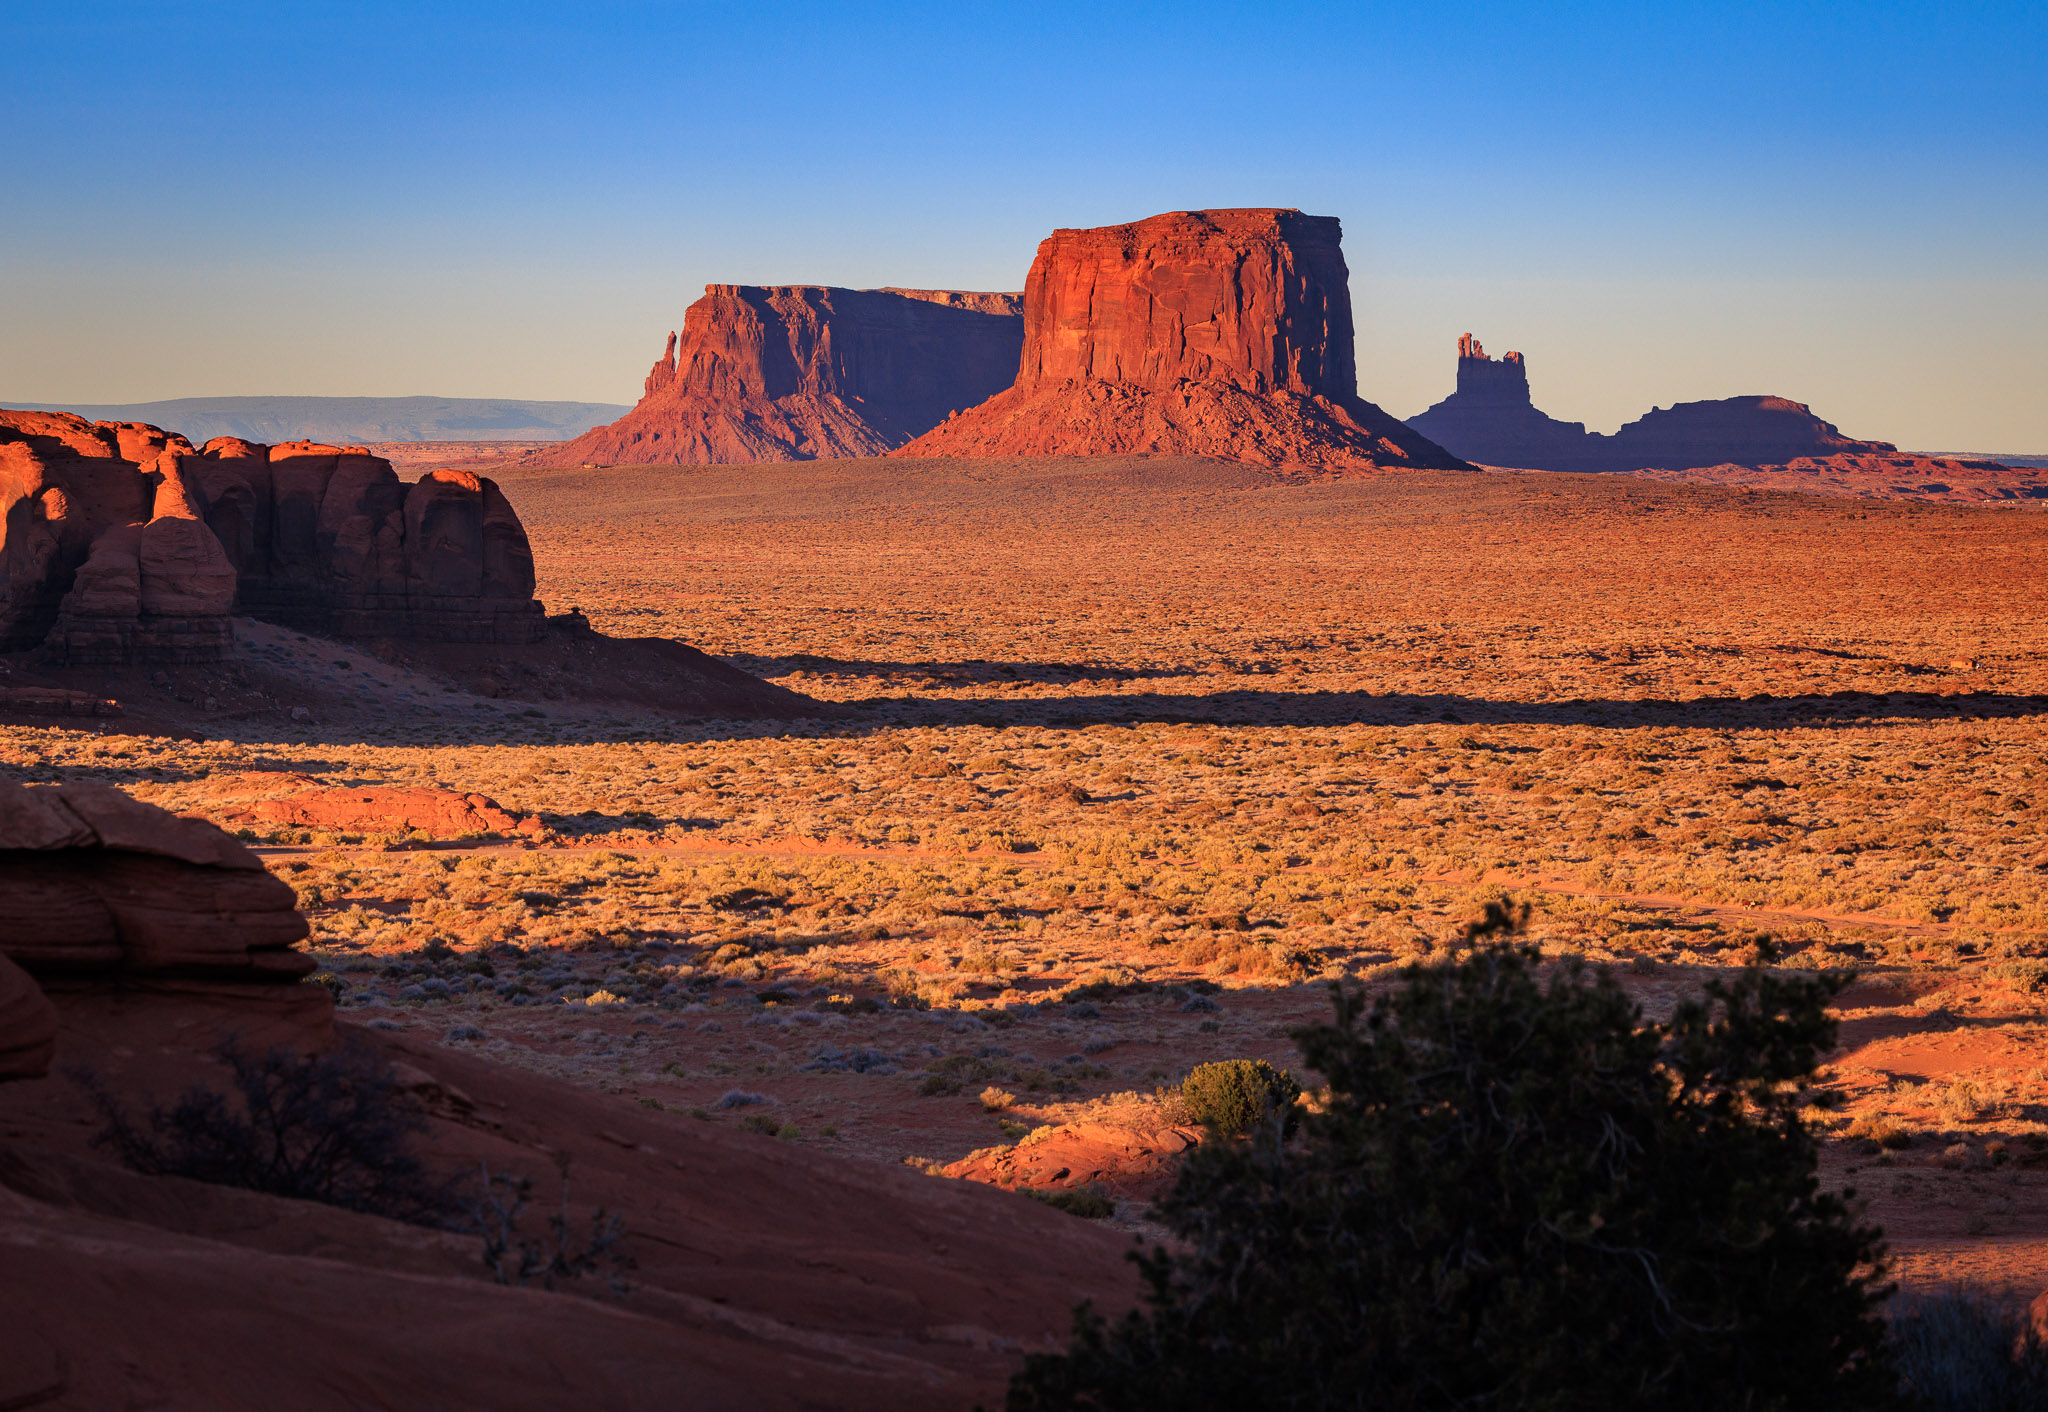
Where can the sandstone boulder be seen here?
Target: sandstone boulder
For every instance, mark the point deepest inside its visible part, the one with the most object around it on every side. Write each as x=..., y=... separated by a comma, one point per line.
x=95, y=883
x=804, y=372
x=184, y=569
x=59, y=432
x=1137, y=1163
x=1225, y=334
x=331, y=541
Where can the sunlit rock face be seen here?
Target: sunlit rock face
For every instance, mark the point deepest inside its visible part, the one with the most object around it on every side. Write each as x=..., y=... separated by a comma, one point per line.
x=1224, y=334
x=124, y=543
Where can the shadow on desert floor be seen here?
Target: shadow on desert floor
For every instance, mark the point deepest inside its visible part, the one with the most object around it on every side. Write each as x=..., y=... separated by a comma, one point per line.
x=1323, y=708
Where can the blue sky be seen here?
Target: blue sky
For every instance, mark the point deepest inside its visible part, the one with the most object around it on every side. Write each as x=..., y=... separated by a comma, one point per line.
x=1843, y=204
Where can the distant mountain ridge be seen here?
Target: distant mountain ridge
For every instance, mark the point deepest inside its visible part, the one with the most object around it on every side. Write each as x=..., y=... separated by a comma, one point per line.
x=352, y=419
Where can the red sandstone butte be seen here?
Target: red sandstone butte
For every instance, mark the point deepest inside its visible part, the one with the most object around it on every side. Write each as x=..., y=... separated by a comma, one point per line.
x=1224, y=334
x=808, y=372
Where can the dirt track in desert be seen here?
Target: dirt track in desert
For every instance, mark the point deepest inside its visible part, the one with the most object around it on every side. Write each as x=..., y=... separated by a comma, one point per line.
x=1121, y=761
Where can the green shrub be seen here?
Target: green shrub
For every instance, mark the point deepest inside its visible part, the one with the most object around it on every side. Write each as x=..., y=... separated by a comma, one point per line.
x=1089, y=1205
x=334, y=1128
x=1233, y=1096
x=1963, y=1351
x=1519, y=1195
x=495, y=1209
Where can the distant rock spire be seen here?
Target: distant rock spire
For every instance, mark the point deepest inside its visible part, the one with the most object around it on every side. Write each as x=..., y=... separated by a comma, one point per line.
x=1482, y=378
x=664, y=371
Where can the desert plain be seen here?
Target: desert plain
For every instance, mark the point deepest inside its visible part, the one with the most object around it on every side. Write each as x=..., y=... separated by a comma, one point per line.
x=1102, y=768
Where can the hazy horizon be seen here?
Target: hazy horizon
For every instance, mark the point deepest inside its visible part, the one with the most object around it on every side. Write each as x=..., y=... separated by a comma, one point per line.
x=508, y=203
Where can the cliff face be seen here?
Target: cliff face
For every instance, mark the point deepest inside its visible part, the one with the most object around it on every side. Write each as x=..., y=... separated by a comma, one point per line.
x=803, y=372
x=124, y=543
x=1490, y=419
x=1207, y=333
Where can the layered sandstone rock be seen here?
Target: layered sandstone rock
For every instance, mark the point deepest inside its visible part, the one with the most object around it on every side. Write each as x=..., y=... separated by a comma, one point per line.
x=1225, y=334
x=805, y=372
x=1492, y=420
x=124, y=543
x=1009, y=306
x=96, y=884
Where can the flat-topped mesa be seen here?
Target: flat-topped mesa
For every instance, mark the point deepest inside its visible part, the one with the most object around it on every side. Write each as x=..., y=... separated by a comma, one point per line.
x=1224, y=334
x=1743, y=431
x=980, y=301
x=107, y=558
x=806, y=372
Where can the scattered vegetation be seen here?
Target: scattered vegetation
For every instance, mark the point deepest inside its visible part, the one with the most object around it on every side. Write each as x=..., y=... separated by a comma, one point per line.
x=1181, y=816
x=333, y=1127
x=1962, y=1351
x=1075, y=1201
x=515, y=1258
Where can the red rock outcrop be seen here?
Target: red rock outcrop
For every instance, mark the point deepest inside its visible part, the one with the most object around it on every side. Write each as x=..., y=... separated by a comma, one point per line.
x=782, y=1276
x=1492, y=420
x=376, y=809
x=94, y=883
x=102, y=558
x=1224, y=334
x=806, y=372
x=1137, y=1163
x=122, y=543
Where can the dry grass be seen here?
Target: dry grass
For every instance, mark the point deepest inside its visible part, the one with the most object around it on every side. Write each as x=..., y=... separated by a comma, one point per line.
x=1116, y=730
